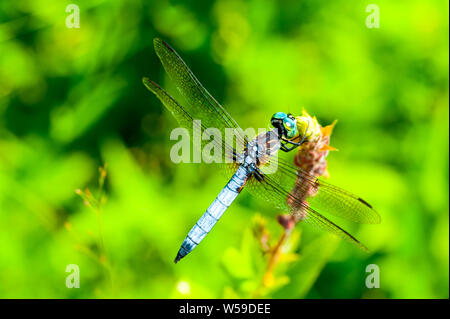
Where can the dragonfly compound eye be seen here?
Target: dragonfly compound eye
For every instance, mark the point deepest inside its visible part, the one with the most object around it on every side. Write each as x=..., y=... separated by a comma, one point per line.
x=277, y=121
x=279, y=116
x=291, y=127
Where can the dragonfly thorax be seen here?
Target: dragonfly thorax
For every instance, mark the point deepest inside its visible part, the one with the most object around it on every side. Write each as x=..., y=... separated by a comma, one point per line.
x=260, y=150
x=250, y=157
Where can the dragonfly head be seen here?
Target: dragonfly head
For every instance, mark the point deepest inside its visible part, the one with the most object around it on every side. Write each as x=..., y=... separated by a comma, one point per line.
x=286, y=124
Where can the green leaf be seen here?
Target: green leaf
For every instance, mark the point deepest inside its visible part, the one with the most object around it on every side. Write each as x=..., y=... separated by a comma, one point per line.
x=304, y=273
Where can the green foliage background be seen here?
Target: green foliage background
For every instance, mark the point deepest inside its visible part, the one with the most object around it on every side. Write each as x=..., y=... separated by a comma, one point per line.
x=72, y=99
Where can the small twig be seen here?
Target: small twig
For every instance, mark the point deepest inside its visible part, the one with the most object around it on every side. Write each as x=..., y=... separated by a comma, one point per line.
x=288, y=224
x=96, y=205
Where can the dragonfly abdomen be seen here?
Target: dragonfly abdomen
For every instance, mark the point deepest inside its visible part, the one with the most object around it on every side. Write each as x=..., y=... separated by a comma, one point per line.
x=214, y=212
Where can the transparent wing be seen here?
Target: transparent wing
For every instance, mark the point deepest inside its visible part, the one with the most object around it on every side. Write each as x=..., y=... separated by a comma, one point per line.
x=200, y=103
x=185, y=119
x=201, y=106
x=303, y=195
x=320, y=194
x=275, y=194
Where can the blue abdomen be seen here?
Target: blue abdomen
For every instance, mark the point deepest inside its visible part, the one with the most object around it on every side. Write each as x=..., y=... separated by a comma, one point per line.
x=214, y=212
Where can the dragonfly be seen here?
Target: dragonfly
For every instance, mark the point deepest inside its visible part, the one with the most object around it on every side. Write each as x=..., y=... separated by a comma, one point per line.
x=252, y=164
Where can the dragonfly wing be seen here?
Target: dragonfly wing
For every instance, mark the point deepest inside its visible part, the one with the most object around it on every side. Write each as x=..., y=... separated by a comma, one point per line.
x=265, y=187
x=185, y=119
x=321, y=195
x=200, y=103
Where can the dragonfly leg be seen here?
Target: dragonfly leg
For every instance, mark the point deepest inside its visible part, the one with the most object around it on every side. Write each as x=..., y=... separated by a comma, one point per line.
x=284, y=142
x=285, y=148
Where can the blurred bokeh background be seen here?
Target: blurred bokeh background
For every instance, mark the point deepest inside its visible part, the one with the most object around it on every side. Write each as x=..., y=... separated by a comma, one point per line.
x=72, y=100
